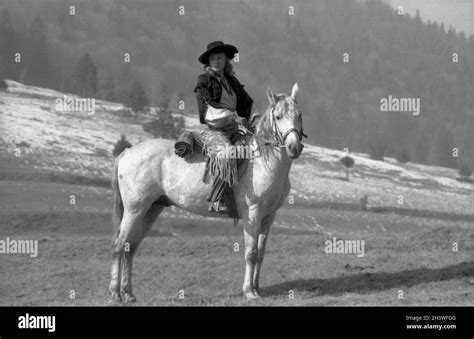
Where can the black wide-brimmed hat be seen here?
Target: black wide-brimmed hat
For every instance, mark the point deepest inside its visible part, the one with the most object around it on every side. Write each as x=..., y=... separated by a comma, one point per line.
x=217, y=47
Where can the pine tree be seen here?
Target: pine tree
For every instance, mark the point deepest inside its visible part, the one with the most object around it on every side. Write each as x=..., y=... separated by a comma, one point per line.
x=8, y=69
x=164, y=97
x=442, y=30
x=137, y=98
x=109, y=90
x=84, y=77
x=165, y=125
x=417, y=18
x=444, y=145
x=38, y=69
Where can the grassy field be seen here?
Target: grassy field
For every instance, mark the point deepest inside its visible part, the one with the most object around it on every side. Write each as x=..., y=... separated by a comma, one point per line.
x=198, y=256
x=55, y=169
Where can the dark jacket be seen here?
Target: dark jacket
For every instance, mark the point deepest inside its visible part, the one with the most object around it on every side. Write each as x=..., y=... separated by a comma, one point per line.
x=209, y=90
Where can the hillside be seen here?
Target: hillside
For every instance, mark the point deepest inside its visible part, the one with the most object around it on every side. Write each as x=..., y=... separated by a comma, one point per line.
x=388, y=54
x=81, y=144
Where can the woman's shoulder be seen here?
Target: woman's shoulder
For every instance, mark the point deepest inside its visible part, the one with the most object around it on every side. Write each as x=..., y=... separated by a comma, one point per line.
x=203, y=78
x=206, y=77
x=233, y=78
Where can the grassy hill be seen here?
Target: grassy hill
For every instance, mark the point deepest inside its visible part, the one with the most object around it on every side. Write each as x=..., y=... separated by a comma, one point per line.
x=76, y=147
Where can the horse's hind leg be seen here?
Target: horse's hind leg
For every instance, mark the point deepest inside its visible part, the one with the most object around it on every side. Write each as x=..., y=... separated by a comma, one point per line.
x=117, y=261
x=114, y=286
x=133, y=234
x=118, y=248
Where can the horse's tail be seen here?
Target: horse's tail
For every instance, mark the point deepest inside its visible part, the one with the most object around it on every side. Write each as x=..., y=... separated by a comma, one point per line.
x=117, y=207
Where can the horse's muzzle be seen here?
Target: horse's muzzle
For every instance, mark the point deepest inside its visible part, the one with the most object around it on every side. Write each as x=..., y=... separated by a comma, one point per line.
x=294, y=150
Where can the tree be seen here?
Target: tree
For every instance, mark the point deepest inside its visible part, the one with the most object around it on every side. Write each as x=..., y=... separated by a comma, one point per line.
x=164, y=97
x=137, y=98
x=402, y=156
x=3, y=85
x=348, y=162
x=84, y=77
x=109, y=90
x=444, y=149
x=38, y=69
x=120, y=145
x=8, y=37
x=442, y=30
x=418, y=24
x=465, y=172
x=165, y=125
x=377, y=145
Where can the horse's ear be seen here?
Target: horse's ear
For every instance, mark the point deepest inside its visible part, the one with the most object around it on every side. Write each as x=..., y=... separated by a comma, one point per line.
x=294, y=92
x=254, y=118
x=272, y=98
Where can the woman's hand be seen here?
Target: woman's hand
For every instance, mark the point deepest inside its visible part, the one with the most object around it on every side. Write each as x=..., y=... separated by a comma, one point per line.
x=241, y=121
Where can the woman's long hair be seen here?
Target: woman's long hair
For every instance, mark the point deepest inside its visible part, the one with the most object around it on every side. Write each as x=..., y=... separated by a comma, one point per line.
x=228, y=68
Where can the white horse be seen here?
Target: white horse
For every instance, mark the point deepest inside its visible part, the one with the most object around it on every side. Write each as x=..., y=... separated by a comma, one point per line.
x=149, y=177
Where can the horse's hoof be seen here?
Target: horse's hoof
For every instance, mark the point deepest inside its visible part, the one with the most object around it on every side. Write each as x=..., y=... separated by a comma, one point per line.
x=251, y=295
x=129, y=297
x=115, y=299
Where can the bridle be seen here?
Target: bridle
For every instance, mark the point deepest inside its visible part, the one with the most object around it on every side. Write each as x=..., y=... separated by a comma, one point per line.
x=280, y=138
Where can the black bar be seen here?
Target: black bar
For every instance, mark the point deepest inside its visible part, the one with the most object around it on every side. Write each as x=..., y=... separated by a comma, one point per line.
x=236, y=321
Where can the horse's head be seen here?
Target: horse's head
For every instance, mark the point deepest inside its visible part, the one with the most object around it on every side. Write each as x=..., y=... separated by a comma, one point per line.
x=286, y=120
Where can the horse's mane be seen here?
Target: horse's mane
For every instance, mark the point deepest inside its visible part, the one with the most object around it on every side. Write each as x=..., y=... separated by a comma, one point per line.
x=264, y=130
x=264, y=124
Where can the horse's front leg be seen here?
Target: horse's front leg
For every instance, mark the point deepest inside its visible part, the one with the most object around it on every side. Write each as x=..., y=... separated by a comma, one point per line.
x=262, y=240
x=251, y=231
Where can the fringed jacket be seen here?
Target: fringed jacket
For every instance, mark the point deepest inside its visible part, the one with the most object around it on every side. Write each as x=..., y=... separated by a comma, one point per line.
x=209, y=90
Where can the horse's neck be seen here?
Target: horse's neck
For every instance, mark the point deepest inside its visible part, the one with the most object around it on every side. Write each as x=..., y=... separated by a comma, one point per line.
x=277, y=164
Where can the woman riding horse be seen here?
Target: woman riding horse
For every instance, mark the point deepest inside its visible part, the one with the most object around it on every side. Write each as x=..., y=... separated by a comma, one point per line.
x=230, y=106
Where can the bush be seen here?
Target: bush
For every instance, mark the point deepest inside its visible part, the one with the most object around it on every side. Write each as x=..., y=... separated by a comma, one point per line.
x=347, y=161
x=122, y=144
x=165, y=125
x=403, y=157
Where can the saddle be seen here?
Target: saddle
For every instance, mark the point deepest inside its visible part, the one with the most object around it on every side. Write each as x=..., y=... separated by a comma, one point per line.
x=190, y=143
